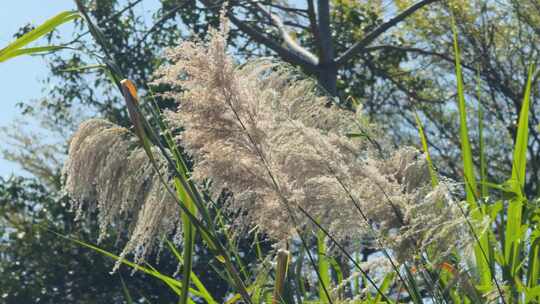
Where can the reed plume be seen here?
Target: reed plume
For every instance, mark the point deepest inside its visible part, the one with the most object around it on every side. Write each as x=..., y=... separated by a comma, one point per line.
x=266, y=134
x=106, y=172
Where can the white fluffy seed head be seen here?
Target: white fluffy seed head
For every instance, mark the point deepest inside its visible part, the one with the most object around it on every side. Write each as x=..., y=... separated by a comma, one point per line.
x=265, y=134
x=108, y=173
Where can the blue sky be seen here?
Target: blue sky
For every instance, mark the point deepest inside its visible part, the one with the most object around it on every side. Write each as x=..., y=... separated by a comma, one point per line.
x=20, y=77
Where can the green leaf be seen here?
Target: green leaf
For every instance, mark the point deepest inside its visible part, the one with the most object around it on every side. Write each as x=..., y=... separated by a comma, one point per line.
x=14, y=49
x=33, y=51
x=423, y=138
x=337, y=269
x=174, y=284
x=189, y=238
x=323, y=267
x=513, y=233
x=533, y=273
x=520, y=149
x=413, y=290
x=200, y=286
x=282, y=266
x=481, y=249
x=387, y=282
x=208, y=234
x=483, y=166
x=468, y=168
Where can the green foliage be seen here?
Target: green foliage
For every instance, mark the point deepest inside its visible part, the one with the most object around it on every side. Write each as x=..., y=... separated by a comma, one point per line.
x=16, y=48
x=323, y=267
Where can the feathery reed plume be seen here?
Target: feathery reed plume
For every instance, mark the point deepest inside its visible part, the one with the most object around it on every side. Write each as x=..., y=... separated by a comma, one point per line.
x=262, y=132
x=107, y=172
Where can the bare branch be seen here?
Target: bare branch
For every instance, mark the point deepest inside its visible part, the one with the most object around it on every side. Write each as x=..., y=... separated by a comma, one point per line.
x=254, y=34
x=361, y=45
x=408, y=49
x=284, y=53
x=291, y=43
x=298, y=11
x=313, y=24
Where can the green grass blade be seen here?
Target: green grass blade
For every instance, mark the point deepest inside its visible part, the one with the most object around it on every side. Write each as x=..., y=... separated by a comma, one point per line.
x=483, y=265
x=423, y=138
x=337, y=269
x=141, y=126
x=196, y=281
x=189, y=240
x=37, y=33
x=514, y=233
x=385, y=285
x=533, y=271
x=171, y=282
x=282, y=266
x=33, y=51
x=483, y=165
x=298, y=275
x=520, y=149
x=189, y=231
x=323, y=267
x=414, y=291
x=356, y=282
x=468, y=168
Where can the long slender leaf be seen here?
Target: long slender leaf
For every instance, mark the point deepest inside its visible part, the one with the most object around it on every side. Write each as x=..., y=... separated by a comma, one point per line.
x=282, y=266
x=324, y=267
x=141, y=126
x=520, y=149
x=33, y=51
x=127, y=294
x=514, y=226
x=482, y=247
x=174, y=284
x=423, y=138
x=14, y=48
x=200, y=286
x=468, y=168
x=483, y=165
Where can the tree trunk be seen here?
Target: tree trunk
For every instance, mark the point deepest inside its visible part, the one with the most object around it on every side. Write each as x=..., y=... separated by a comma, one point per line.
x=328, y=78
x=327, y=66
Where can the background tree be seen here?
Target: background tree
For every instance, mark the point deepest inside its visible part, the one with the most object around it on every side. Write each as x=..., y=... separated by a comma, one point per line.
x=499, y=41
x=37, y=266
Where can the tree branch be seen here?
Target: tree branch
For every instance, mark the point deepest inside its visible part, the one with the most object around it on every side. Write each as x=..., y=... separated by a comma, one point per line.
x=360, y=46
x=285, y=54
x=409, y=49
x=289, y=41
x=299, y=11
x=313, y=24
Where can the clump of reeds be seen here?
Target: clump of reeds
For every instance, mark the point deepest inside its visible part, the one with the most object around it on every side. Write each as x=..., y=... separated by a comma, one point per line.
x=266, y=134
